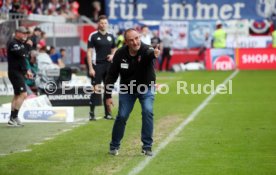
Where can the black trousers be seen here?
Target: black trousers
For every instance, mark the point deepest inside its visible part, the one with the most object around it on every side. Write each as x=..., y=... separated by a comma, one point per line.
x=101, y=70
x=165, y=55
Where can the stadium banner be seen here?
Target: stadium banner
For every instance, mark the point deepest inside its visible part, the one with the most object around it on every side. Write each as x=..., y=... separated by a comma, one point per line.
x=72, y=96
x=178, y=31
x=220, y=59
x=63, y=30
x=9, y=87
x=33, y=102
x=198, y=30
x=236, y=27
x=38, y=101
x=185, y=56
x=3, y=88
x=189, y=9
x=256, y=58
x=40, y=114
x=248, y=41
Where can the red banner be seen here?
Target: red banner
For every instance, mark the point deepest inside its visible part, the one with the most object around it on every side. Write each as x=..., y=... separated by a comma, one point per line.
x=256, y=58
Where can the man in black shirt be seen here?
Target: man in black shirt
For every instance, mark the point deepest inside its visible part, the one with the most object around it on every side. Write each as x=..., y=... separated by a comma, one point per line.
x=134, y=62
x=17, y=69
x=36, y=37
x=100, y=50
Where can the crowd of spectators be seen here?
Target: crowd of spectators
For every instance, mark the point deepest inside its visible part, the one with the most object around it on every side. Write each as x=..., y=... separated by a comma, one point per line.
x=41, y=57
x=66, y=8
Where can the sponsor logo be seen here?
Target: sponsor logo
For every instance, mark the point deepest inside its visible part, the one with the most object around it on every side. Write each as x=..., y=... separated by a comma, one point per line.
x=4, y=115
x=38, y=114
x=259, y=27
x=109, y=38
x=224, y=62
x=258, y=58
x=70, y=96
x=51, y=115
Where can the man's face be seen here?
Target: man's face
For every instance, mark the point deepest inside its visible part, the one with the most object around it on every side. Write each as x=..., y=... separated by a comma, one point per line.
x=21, y=36
x=103, y=25
x=37, y=33
x=133, y=40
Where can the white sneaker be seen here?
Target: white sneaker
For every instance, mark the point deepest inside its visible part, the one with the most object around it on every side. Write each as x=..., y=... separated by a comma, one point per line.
x=12, y=122
x=114, y=152
x=18, y=122
x=108, y=117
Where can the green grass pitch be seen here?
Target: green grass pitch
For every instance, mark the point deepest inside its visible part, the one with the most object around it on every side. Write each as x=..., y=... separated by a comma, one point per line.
x=235, y=134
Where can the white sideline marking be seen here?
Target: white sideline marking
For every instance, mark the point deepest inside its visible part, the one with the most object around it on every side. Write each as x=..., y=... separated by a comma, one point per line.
x=48, y=138
x=38, y=143
x=175, y=132
x=66, y=130
x=24, y=150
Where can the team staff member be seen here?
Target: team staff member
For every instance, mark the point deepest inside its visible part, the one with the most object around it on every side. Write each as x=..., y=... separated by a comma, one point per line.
x=17, y=69
x=101, y=45
x=274, y=38
x=219, y=37
x=134, y=62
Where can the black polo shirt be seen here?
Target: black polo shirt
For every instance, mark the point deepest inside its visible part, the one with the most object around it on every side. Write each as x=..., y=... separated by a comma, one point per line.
x=102, y=45
x=17, y=52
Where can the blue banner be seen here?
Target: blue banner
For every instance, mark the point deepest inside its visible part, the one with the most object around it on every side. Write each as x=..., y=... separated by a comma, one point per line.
x=189, y=9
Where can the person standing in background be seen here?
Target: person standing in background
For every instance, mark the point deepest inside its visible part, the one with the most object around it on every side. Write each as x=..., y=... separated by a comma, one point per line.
x=145, y=35
x=206, y=45
x=6, y=7
x=120, y=39
x=42, y=41
x=96, y=8
x=32, y=66
x=167, y=42
x=36, y=37
x=101, y=47
x=274, y=37
x=17, y=71
x=56, y=57
x=156, y=41
x=63, y=56
x=219, y=36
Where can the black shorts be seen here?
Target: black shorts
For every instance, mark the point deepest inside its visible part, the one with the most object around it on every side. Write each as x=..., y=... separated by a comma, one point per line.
x=18, y=82
x=101, y=70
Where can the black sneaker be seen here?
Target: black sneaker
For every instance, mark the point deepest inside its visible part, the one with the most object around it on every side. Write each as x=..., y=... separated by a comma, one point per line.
x=108, y=117
x=92, y=116
x=147, y=152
